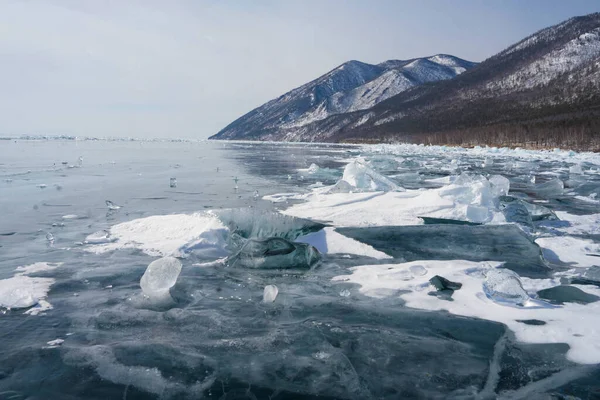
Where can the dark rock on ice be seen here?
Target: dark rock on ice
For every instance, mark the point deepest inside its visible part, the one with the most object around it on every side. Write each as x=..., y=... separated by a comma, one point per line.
x=443, y=294
x=536, y=322
x=442, y=283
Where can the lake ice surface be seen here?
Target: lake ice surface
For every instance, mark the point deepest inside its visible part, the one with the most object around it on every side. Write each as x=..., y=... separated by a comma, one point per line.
x=82, y=220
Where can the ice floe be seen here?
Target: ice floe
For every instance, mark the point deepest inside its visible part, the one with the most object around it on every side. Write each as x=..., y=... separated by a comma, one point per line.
x=24, y=291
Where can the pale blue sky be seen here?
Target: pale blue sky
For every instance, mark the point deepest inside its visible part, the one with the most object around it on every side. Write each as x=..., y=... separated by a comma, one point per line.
x=186, y=68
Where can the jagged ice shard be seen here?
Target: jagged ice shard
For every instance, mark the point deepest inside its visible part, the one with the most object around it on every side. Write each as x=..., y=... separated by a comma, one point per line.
x=253, y=223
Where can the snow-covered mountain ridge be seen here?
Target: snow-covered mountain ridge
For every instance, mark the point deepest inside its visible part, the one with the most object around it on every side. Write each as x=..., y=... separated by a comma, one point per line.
x=352, y=86
x=543, y=91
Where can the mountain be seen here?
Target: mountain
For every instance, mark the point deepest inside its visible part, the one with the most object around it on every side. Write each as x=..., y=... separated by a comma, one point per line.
x=352, y=86
x=543, y=91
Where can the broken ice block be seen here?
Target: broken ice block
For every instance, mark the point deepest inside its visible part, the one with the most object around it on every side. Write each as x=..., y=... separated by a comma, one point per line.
x=313, y=169
x=576, y=169
x=515, y=211
x=270, y=293
x=500, y=185
x=99, y=238
x=478, y=214
x=111, y=205
x=49, y=237
x=275, y=253
x=418, y=270
x=553, y=187
x=160, y=276
x=504, y=286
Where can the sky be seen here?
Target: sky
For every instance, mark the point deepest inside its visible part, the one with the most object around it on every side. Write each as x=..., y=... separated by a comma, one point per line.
x=187, y=68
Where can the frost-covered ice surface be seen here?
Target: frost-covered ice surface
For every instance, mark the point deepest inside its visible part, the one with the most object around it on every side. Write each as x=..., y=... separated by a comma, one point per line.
x=289, y=271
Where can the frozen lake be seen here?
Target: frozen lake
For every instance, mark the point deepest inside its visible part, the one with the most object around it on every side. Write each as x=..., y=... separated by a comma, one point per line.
x=435, y=272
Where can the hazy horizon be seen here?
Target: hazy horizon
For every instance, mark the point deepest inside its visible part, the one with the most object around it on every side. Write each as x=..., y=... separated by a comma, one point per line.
x=186, y=69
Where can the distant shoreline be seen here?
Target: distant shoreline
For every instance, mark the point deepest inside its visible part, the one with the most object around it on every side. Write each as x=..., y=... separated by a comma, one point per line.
x=470, y=145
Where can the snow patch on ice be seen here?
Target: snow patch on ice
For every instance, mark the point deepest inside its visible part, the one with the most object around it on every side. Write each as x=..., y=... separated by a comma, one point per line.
x=165, y=235
x=37, y=267
x=574, y=324
x=570, y=250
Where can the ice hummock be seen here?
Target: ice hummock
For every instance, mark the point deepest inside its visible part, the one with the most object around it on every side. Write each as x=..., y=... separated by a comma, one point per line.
x=160, y=276
x=479, y=194
x=465, y=197
x=504, y=286
x=274, y=253
x=552, y=188
x=361, y=177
